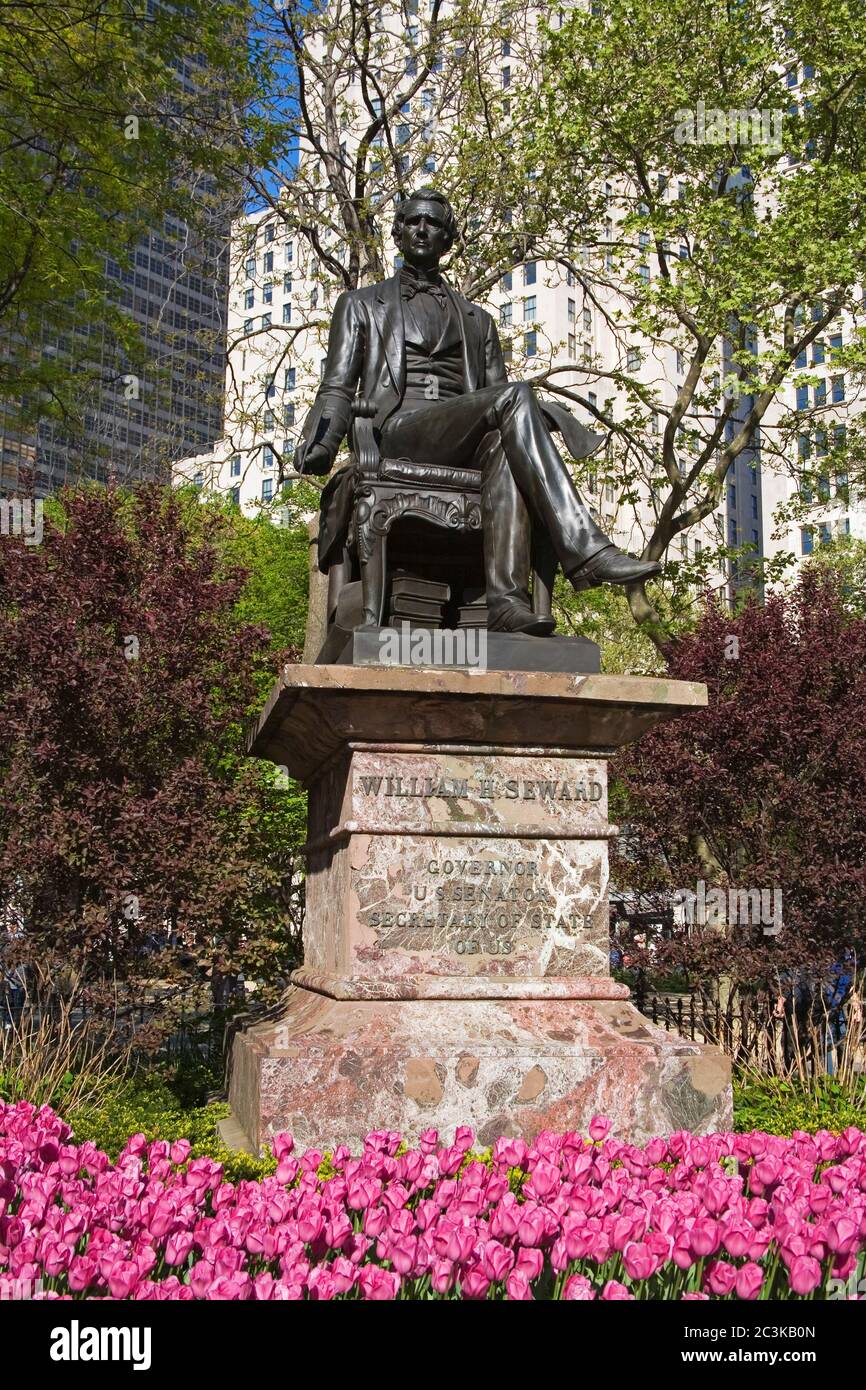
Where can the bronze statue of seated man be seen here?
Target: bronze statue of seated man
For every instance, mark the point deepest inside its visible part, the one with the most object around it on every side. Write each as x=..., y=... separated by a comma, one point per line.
x=428, y=365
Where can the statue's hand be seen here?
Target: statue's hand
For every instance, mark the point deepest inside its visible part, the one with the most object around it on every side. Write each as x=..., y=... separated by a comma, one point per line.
x=316, y=459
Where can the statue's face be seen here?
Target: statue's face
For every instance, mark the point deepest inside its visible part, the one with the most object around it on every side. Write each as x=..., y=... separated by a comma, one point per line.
x=423, y=237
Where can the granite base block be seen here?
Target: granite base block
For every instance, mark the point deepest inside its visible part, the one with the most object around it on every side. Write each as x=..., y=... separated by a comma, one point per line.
x=329, y=1070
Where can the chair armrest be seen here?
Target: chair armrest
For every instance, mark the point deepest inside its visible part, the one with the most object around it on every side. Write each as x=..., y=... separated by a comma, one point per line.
x=364, y=445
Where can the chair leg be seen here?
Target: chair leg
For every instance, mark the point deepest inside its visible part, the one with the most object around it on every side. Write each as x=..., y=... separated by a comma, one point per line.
x=373, y=582
x=543, y=575
x=338, y=578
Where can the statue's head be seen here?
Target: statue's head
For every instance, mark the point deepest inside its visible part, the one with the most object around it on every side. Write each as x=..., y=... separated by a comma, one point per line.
x=424, y=227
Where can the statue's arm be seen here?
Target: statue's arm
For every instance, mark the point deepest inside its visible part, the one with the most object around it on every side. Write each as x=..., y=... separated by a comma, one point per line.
x=495, y=373
x=330, y=415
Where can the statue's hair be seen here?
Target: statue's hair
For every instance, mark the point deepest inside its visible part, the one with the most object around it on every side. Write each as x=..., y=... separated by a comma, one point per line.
x=427, y=195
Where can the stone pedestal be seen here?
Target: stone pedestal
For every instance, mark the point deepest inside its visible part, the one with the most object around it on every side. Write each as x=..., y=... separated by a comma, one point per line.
x=456, y=963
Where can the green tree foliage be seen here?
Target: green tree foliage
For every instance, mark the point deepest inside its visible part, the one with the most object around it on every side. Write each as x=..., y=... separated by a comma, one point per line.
x=712, y=159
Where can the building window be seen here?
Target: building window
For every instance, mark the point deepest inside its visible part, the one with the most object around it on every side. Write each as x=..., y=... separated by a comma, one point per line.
x=248, y=325
x=290, y=252
x=267, y=489
x=754, y=506
x=802, y=398
x=290, y=378
x=530, y=273
x=268, y=294
x=800, y=360
x=235, y=496
x=249, y=298
x=235, y=466
x=287, y=313
x=572, y=346
x=732, y=495
x=732, y=531
x=529, y=308
x=266, y=320
x=791, y=76
x=269, y=232
x=571, y=311
x=269, y=262
x=267, y=457
x=633, y=359
x=587, y=320
x=506, y=48
x=287, y=282
x=835, y=342
x=804, y=446
x=530, y=343
x=268, y=421
x=288, y=414
x=821, y=393
x=506, y=314
x=403, y=134
x=817, y=353
x=824, y=532
x=250, y=267
x=644, y=273
x=507, y=281
x=838, y=388
x=198, y=480
x=506, y=77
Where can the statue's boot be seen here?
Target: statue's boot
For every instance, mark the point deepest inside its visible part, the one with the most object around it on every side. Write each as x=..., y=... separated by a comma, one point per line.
x=612, y=566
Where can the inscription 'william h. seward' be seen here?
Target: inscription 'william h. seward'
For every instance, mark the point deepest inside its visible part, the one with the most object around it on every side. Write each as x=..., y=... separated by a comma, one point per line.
x=485, y=788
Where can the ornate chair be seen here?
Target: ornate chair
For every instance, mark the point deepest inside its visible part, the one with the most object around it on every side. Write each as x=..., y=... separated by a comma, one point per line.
x=399, y=498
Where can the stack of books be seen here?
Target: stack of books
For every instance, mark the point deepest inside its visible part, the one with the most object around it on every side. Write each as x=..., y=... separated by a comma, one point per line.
x=473, y=614
x=420, y=602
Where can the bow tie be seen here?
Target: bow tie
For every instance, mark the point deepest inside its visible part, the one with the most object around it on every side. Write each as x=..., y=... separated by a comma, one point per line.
x=409, y=288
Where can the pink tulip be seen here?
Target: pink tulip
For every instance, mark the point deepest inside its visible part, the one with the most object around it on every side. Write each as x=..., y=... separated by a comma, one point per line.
x=578, y=1289
x=639, y=1261
x=614, y=1292
x=517, y=1287
x=721, y=1278
x=804, y=1275
x=123, y=1278
x=749, y=1279
x=529, y=1262
x=496, y=1260
x=599, y=1128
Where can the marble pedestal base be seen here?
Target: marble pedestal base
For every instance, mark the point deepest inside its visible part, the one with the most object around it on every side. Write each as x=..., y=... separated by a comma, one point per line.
x=328, y=1070
x=456, y=943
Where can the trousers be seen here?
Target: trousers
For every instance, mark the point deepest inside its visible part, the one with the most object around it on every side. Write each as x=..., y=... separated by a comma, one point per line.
x=501, y=431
